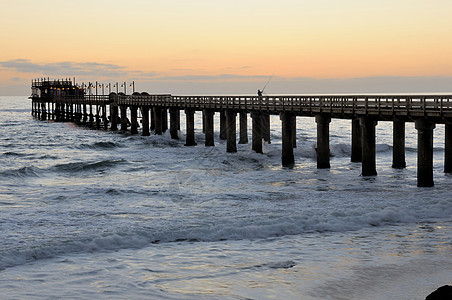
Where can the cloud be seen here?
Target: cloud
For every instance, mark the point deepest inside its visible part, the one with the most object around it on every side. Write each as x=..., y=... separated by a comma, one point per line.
x=66, y=68
x=220, y=77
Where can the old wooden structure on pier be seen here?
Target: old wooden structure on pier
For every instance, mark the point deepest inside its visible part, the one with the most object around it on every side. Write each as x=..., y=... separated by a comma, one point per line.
x=62, y=100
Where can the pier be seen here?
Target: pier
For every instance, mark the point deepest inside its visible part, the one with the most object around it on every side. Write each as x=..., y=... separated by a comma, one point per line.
x=64, y=101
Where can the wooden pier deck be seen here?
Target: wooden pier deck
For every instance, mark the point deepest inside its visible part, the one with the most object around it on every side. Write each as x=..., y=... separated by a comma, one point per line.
x=64, y=101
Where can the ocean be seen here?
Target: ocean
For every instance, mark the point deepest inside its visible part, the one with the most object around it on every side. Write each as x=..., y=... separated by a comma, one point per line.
x=88, y=214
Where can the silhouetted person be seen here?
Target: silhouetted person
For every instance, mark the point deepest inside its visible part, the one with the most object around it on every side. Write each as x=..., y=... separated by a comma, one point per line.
x=259, y=93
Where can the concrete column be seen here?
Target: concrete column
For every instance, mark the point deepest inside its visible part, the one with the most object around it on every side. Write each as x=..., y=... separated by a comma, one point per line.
x=266, y=127
x=243, y=128
x=114, y=117
x=448, y=148
x=104, y=116
x=145, y=120
x=223, y=131
x=85, y=114
x=152, y=116
x=208, y=127
x=97, y=116
x=398, y=144
x=174, y=122
x=124, y=121
x=294, y=131
x=43, y=111
x=257, y=131
x=424, y=152
x=133, y=119
x=368, y=146
x=190, y=122
x=164, y=119
x=158, y=120
x=91, y=115
x=357, y=149
x=323, y=141
x=231, y=133
x=287, y=156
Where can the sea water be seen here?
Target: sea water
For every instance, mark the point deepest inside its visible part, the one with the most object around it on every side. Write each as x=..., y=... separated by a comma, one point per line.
x=88, y=214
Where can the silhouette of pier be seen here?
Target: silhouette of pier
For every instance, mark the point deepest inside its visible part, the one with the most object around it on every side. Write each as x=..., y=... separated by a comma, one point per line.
x=63, y=100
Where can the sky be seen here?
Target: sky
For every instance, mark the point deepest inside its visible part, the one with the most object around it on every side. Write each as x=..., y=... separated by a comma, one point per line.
x=230, y=46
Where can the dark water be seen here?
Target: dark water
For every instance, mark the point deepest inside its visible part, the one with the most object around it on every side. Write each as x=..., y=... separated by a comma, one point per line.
x=96, y=214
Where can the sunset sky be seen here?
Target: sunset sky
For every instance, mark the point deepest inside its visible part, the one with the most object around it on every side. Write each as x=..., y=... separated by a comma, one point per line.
x=219, y=46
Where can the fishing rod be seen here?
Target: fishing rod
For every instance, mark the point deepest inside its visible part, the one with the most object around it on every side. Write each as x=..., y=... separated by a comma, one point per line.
x=268, y=81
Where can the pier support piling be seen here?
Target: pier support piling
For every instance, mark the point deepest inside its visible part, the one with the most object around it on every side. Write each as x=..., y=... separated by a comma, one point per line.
x=190, y=122
x=133, y=119
x=368, y=146
x=357, y=149
x=287, y=155
x=424, y=152
x=323, y=141
x=174, y=122
x=223, y=130
x=398, y=144
x=231, y=133
x=145, y=120
x=243, y=128
x=448, y=148
x=114, y=117
x=256, y=131
x=266, y=127
x=124, y=121
x=158, y=120
x=208, y=122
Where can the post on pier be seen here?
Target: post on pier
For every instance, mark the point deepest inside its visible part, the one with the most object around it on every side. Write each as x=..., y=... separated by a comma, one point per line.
x=243, y=128
x=105, y=116
x=145, y=120
x=152, y=120
x=174, y=122
x=287, y=155
x=398, y=144
x=266, y=127
x=424, y=152
x=323, y=141
x=448, y=147
x=223, y=130
x=91, y=115
x=357, y=148
x=133, y=119
x=164, y=119
x=368, y=146
x=124, y=121
x=43, y=111
x=256, y=131
x=208, y=122
x=294, y=131
x=98, y=114
x=84, y=114
x=231, y=132
x=114, y=117
x=158, y=120
x=190, y=122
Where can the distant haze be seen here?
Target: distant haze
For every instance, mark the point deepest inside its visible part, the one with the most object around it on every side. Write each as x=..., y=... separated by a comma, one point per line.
x=215, y=46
